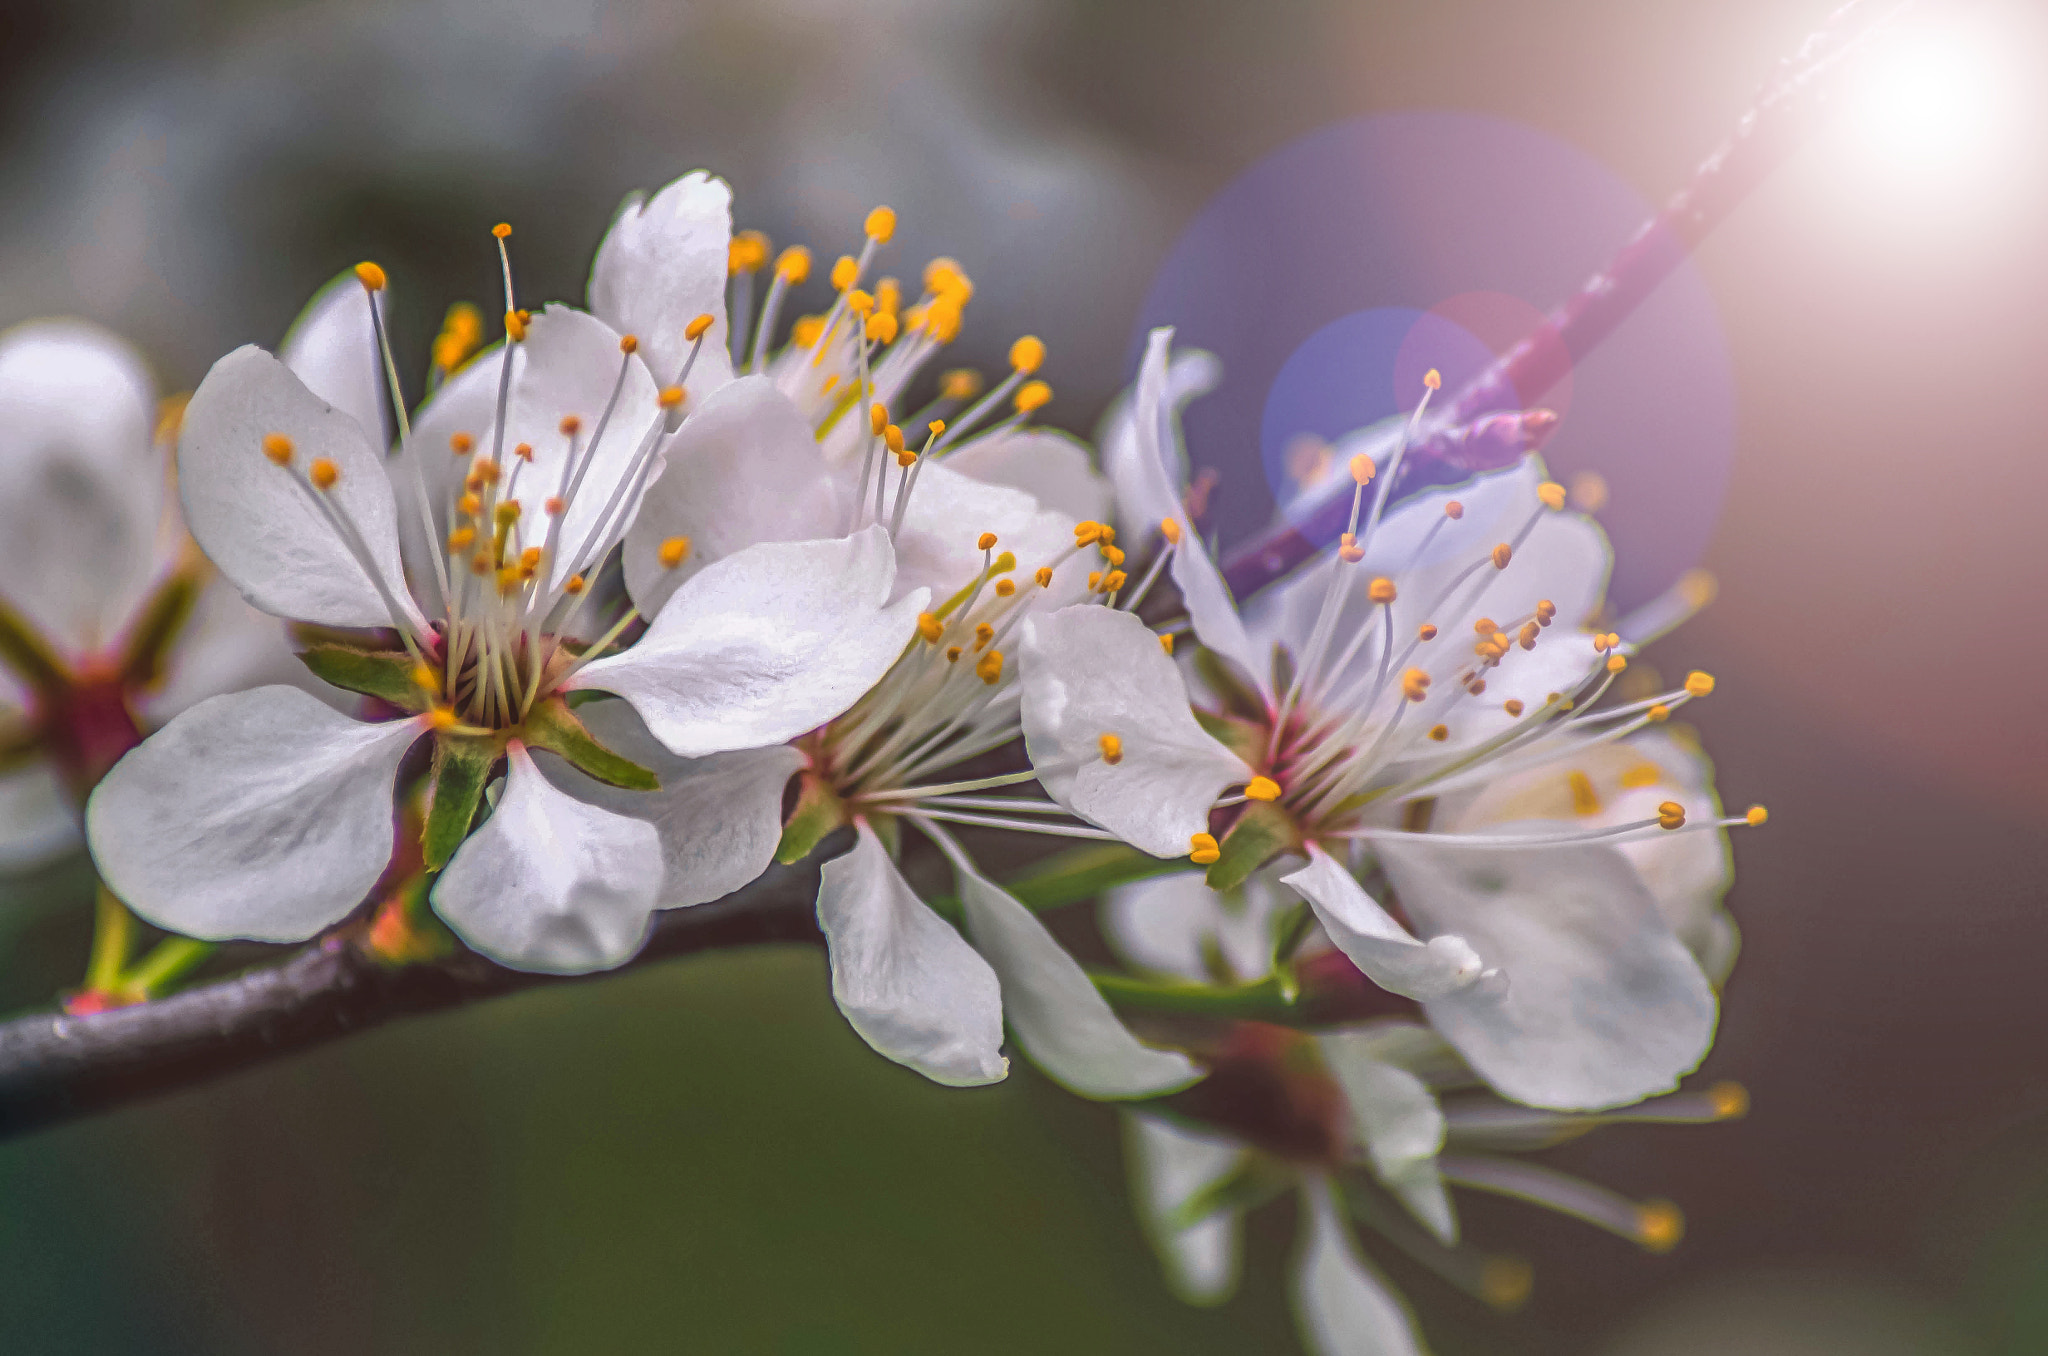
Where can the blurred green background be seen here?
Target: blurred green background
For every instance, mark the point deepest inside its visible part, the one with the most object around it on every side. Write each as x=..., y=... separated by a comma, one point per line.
x=702, y=1157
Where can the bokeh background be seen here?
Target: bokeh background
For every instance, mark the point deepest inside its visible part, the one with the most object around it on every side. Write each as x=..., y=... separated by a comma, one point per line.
x=1839, y=407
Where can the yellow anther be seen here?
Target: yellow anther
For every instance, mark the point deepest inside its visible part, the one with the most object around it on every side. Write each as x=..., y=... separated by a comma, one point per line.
x=1113, y=554
x=881, y=328
x=1427, y=631
x=671, y=396
x=696, y=329
x=888, y=296
x=892, y=436
x=861, y=303
x=1433, y=379
x=1551, y=493
x=1169, y=528
x=1670, y=815
x=469, y=505
x=878, y=418
x=1108, y=532
x=1005, y=587
x=503, y=230
x=1203, y=849
x=1003, y=563
x=1699, y=684
x=1546, y=612
x=570, y=425
x=845, y=272
x=1454, y=510
x=1640, y=776
x=523, y=451
x=1112, y=749
x=747, y=252
x=1086, y=533
x=990, y=667
x=425, y=678
x=1505, y=1282
x=507, y=512
x=1659, y=1226
x=952, y=653
x=441, y=718
x=983, y=634
x=793, y=265
x=1616, y=663
x=1439, y=733
x=1513, y=706
x=1166, y=644
x=936, y=427
x=986, y=541
x=1381, y=590
x=1415, y=684
x=553, y=506
x=515, y=326
x=1351, y=553
x=1363, y=469
x=1044, y=576
x=942, y=320
x=1589, y=491
x=930, y=627
x=962, y=383
x=509, y=580
x=278, y=448
x=1262, y=788
x=1033, y=395
x=945, y=278
x=1731, y=1100
x=461, y=444
x=1527, y=637
x=1698, y=587
x=1502, y=554
x=485, y=471
x=1756, y=816
x=460, y=539
x=370, y=276
x=529, y=559
x=1499, y=641
x=575, y=585
x=1585, y=800
x=881, y=224
x=673, y=552
x=323, y=473
x=1476, y=686
x=1113, y=581
x=1095, y=581
x=807, y=330
x=630, y=343
x=1027, y=355
x=1658, y=713
x=480, y=564
x=1485, y=626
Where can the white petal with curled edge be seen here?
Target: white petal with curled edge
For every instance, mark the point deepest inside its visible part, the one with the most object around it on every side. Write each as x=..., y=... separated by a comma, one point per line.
x=908, y=983
x=1604, y=1005
x=332, y=347
x=1147, y=475
x=550, y=883
x=1090, y=670
x=720, y=818
x=663, y=264
x=572, y=365
x=83, y=483
x=260, y=529
x=1169, y=1163
x=743, y=469
x=261, y=814
x=1211, y=612
x=1062, y=1022
x=37, y=823
x=764, y=645
x=1374, y=942
x=1397, y=1119
x=1049, y=466
x=1171, y=923
x=1344, y=1307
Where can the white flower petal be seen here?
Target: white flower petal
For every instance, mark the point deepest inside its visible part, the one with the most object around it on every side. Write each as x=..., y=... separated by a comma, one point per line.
x=743, y=469
x=720, y=818
x=1169, y=923
x=466, y=403
x=259, y=528
x=663, y=264
x=1051, y=467
x=37, y=821
x=228, y=646
x=1088, y=671
x=1146, y=474
x=1169, y=1163
x=1603, y=1004
x=572, y=365
x=908, y=983
x=1345, y=1308
x=1062, y=1022
x=938, y=546
x=332, y=347
x=1374, y=942
x=260, y=814
x=83, y=480
x=764, y=645
x=1398, y=1121
x=550, y=883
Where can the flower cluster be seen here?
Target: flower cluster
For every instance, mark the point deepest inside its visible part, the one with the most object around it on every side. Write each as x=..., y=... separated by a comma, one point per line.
x=650, y=594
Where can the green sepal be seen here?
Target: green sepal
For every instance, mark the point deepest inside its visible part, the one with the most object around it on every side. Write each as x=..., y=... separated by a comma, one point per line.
x=383, y=674
x=1261, y=833
x=551, y=725
x=1263, y=1000
x=24, y=650
x=163, y=617
x=819, y=811
x=1246, y=739
x=1222, y=677
x=1255, y=1180
x=462, y=764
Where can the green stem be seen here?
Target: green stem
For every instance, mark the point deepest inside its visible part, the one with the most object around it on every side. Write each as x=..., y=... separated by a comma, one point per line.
x=1263, y=1001
x=113, y=933
x=172, y=960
